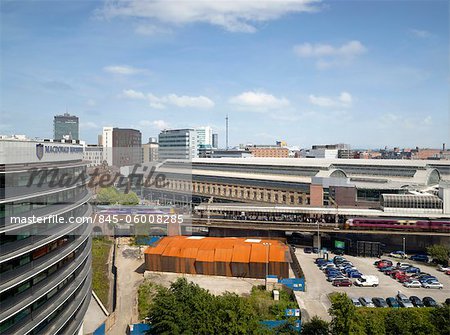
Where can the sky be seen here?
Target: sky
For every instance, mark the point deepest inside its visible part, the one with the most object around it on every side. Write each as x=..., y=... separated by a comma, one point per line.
x=368, y=73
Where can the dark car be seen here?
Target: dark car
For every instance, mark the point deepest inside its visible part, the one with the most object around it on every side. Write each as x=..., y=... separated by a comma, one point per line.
x=420, y=258
x=387, y=268
x=379, y=302
x=338, y=252
x=416, y=301
x=315, y=250
x=342, y=282
x=429, y=302
x=392, y=302
x=319, y=260
x=412, y=269
x=307, y=250
x=447, y=301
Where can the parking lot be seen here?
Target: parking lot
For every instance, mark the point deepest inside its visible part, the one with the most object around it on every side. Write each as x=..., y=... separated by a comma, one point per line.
x=315, y=300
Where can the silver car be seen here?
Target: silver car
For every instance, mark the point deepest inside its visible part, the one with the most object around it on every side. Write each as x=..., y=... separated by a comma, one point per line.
x=366, y=302
x=403, y=301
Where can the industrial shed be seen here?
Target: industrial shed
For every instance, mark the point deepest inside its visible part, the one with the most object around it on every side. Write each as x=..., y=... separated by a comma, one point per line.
x=231, y=257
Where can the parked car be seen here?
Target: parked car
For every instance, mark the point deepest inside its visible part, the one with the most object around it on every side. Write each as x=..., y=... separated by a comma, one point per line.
x=390, y=272
x=307, y=250
x=387, y=268
x=420, y=258
x=443, y=268
x=366, y=281
x=403, y=301
x=315, y=250
x=333, y=277
x=398, y=254
x=412, y=284
x=354, y=274
x=327, y=266
x=342, y=282
x=338, y=252
x=379, y=302
x=366, y=302
x=429, y=302
x=428, y=279
x=447, y=272
x=356, y=302
x=433, y=284
x=320, y=259
x=403, y=266
x=392, y=302
x=404, y=279
x=384, y=263
x=416, y=301
x=447, y=301
x=412, y=269
x=399, y=274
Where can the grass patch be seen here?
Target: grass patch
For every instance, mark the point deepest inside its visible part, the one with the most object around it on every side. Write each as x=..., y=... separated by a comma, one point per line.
x=267, y=308
x=100, y=281
x=146, y=292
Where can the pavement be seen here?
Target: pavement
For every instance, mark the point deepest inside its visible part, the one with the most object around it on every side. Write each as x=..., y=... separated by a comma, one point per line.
x=94, y=317
x=315, y=300
x=128, y=262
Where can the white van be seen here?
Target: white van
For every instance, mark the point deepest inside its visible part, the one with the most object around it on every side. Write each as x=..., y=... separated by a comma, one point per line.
x=367, y=281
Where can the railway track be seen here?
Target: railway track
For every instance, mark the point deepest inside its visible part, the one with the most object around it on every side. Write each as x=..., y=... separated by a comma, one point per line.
x=299, y=226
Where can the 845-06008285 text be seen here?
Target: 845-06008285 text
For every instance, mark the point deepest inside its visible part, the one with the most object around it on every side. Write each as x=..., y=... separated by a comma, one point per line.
x=139, y=218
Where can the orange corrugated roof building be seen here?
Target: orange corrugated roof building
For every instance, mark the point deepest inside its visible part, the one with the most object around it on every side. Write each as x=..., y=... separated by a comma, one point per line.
x=237, y=257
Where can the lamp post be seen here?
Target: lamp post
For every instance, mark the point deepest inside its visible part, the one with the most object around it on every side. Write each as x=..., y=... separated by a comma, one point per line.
x=404, y=245
x=318, y=237
x=267, y=245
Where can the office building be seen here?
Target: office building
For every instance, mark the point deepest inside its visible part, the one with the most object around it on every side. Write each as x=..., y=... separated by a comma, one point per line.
x=66, y=127
x=45, y=263
x=215, y=141
x=121, y=146
x=93, y=154
x=178, y=144
x=150, y=150
x=204, y=136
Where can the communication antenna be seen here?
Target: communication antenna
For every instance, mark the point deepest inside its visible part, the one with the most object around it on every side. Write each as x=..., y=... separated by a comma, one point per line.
x=226, y=134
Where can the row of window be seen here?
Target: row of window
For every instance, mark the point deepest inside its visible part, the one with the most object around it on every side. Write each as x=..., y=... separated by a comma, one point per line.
x=23, y=178
x=240, y=192
x=32, y=256
x=46, y=274
x=40, y=229
x=27, y=312
x=20, y=207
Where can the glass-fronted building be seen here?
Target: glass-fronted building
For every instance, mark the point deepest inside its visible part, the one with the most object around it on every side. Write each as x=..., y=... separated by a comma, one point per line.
x=45, y=245
x=66, y=127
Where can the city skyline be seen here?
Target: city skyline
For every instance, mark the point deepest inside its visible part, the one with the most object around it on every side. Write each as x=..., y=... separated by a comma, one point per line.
x=303, y=71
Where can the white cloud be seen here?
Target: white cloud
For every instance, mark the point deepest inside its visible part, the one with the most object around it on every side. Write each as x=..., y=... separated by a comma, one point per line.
x=234, y=16
x=328, y=55
x=158, y=124
x=172, y=99
x=258, y=101
x=125, y=70
x=428, y=121
x=420, y=33
x=132, y=94
x=345, y=99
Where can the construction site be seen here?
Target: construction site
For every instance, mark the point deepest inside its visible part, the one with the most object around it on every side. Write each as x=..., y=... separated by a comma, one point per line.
x=230, y=257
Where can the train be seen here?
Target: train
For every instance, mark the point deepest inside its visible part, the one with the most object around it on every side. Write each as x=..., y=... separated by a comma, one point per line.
x=394, y=224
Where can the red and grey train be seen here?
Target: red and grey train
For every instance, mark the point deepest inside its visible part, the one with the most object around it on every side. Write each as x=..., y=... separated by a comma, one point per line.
x=394, y=224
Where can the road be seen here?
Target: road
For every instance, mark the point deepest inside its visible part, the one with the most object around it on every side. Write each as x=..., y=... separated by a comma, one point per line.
x=315, y=301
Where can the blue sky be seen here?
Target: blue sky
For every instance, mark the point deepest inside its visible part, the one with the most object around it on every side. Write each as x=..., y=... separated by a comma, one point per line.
x=368, y=73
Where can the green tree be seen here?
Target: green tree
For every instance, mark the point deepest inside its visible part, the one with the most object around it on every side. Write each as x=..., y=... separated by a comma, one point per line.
x=129, y=199
x=316, y=326
x=440, y=318
x=345, y=320
x=185, y=308
x=439, y=252
x=108, y=196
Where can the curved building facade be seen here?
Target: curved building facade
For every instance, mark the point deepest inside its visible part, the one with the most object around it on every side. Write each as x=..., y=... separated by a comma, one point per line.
x=45, y=248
